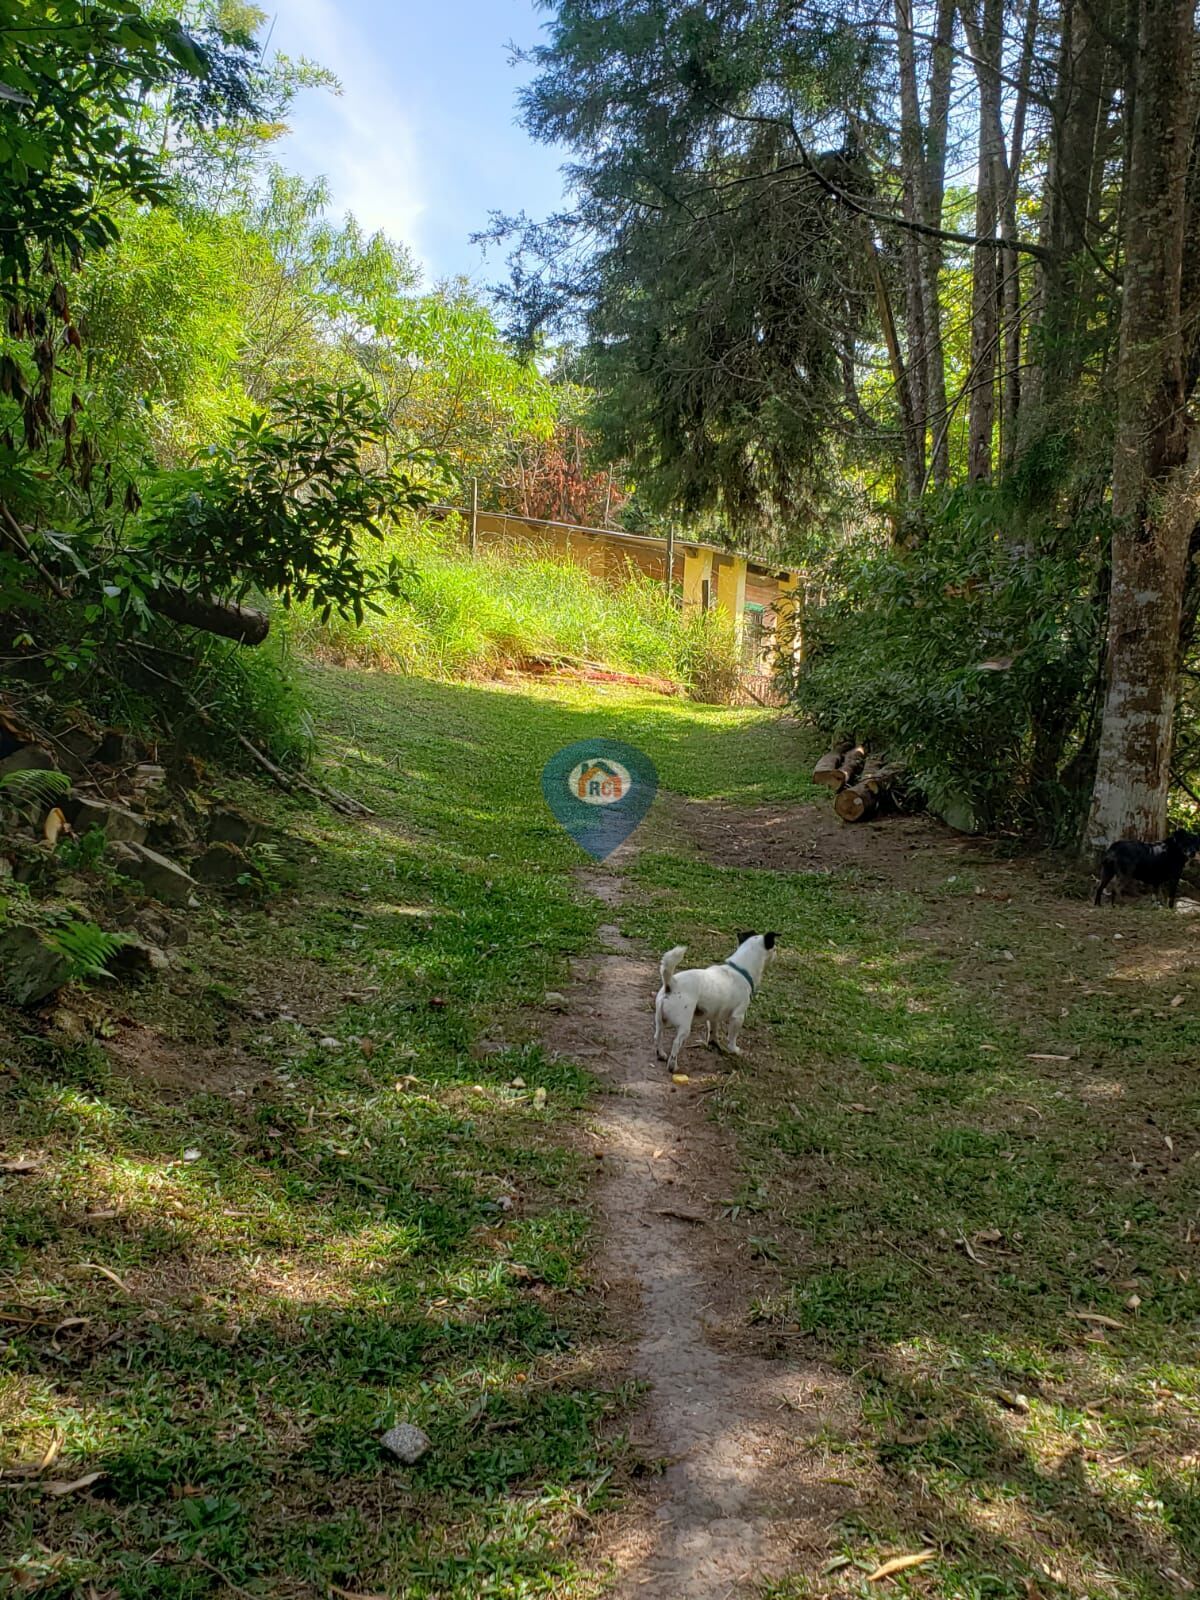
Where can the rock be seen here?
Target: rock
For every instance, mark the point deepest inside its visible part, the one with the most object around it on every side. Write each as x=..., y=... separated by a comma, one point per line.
x=136, y=959
x=115, y=822
x=69, y=1024
x=329, y=1043
x=30, y=969
x=76, y=745
x=152, y=926
x=160, y=877
x=29, y=758
x=959, y=813
x=150, y=780
x=407, y=1442
x=171, y=831
x=221, y=866
x=229, y=825
x=119, y=749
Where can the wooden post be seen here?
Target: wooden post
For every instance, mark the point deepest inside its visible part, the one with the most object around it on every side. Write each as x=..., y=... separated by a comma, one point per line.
x=474, y=514
x=789, y=624
x=670, y=557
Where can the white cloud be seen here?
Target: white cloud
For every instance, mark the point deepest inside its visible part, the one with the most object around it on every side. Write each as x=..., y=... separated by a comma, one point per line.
x=360, y=140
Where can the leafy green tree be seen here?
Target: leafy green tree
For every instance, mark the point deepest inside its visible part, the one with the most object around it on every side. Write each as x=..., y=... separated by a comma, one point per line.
x=71, y=79
x=283, y=508
x=721, y=290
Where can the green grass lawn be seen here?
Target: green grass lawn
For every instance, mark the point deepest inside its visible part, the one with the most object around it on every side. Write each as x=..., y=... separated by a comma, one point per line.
x=307, y=1188
x=965, y=1129
x=952, y=1221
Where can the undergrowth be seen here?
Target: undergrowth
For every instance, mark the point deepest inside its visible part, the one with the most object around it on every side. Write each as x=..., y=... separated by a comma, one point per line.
x=461, y=616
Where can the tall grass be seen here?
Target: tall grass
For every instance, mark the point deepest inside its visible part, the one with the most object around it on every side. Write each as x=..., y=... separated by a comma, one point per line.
x=506, y=607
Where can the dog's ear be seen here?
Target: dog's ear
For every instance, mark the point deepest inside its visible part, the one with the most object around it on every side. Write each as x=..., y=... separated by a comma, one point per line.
x=742, y=936
x=769, y=940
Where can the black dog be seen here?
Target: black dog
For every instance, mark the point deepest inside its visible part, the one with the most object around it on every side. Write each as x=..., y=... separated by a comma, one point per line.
x=1160, y=866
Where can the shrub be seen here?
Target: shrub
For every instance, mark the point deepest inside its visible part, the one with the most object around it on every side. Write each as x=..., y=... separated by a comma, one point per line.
x=973, y=657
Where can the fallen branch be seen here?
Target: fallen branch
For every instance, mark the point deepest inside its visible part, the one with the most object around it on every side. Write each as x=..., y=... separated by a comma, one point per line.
x=225, y=618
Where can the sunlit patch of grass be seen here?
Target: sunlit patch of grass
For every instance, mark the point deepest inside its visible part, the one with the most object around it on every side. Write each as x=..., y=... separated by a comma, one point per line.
x=463, y=615
x=966, y=1161
x=384, y=1228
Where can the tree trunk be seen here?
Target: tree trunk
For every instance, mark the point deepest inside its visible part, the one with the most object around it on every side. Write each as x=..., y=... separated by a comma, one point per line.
x=912, y=449
x=941, y=75
x=913, y=202
x=1154, y=481
x=923, y=168
x=985, y=38
x=852, y=763
x=1012, y=383
x=856, y=803
x=1079, y=123
x=828, y=771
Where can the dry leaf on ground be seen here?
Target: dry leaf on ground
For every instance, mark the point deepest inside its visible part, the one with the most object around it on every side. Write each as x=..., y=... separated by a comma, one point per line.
x=105, y=1272
x=59, y=1489
x=900, y=1564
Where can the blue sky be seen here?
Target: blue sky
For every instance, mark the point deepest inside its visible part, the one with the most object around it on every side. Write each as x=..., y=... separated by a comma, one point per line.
x=423, y=141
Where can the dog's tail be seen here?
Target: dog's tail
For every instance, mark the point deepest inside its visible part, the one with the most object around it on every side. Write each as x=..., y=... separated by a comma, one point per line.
x=668, y=964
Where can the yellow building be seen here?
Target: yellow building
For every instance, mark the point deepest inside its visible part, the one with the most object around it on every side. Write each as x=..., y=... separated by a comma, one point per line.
x=761, y=600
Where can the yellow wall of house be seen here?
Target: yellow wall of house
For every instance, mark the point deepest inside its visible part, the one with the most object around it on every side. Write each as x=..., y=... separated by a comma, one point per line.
x=697, y=570
x=731, y=592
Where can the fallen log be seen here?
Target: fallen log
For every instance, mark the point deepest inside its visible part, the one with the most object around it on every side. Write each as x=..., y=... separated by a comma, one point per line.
x=828, y=771
x=879, y=775
x=223, y=617
x=872, y=794
x=857, y=802
x=852, y=764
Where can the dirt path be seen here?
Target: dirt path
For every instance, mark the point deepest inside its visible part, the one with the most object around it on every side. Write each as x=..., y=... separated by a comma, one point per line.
x=741, y=1498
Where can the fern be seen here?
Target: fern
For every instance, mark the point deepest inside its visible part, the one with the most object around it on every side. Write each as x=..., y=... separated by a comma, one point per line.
x=32, y=792
x=88, y=948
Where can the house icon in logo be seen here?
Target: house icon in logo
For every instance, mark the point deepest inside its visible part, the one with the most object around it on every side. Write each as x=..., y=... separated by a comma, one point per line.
x=599, y=782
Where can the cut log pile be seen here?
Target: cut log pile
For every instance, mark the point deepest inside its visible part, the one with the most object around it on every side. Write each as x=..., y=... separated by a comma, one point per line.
x=863, y=785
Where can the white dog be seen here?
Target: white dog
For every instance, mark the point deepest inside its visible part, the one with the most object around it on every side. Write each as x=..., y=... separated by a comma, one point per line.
x=716, y=995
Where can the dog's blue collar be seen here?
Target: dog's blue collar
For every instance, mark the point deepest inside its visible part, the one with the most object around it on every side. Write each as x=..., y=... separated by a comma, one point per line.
x=742, y=973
